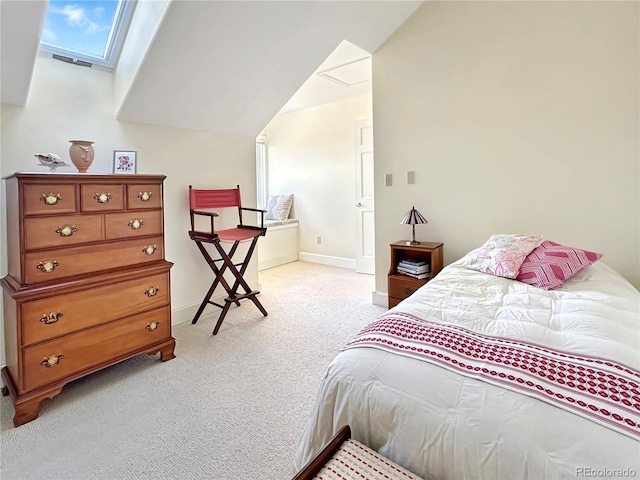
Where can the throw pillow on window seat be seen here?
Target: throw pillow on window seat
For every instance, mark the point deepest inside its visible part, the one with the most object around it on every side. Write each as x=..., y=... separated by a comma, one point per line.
x=278, y=207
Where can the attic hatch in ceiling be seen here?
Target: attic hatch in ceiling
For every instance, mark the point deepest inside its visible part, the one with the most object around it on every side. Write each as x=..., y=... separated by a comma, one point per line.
x=86, y=32
x=350, y=73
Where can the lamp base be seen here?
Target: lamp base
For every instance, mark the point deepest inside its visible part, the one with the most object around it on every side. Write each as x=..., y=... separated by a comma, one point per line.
x=411, y=242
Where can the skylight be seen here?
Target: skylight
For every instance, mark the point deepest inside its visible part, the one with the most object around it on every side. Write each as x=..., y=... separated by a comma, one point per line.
x=86, y=30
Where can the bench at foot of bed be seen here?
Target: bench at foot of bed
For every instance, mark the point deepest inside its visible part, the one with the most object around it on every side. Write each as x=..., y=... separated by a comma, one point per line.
x=345, y=458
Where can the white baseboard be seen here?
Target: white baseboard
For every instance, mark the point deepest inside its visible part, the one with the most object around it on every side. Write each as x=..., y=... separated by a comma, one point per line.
x=328, y=260
x=186, y=314
x=380, y=298
x=274, y=262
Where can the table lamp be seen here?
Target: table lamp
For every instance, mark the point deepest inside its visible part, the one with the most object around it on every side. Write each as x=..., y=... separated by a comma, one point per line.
x=413, y=218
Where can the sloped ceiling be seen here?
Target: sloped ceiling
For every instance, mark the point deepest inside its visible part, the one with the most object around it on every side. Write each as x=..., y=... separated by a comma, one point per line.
x=21, y=26
x=226, y=66
x=330, y=83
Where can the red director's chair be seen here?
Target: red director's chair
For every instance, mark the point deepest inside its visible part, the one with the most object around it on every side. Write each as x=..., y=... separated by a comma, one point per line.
x=207, y=199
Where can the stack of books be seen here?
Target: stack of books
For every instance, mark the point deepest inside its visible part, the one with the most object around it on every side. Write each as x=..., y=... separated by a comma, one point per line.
x=413, y=268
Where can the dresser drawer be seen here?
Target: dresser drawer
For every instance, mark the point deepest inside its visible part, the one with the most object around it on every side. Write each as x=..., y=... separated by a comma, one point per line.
x=402, y=288
x=43, y=198
x=67, y=262
x=60, y=231
x=133, y=224
x=97, y=197
x=144, y=196
x=105, y=345
x=56, y=316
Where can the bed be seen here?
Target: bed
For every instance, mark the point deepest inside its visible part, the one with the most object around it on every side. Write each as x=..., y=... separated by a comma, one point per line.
x=440, y=424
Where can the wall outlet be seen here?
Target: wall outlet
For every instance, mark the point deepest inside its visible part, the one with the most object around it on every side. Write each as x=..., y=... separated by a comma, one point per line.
x=318, y=239
x=388, y=179
x=411, y=178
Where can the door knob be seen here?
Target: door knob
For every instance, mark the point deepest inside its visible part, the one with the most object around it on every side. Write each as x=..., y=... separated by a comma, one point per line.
x=358, y=204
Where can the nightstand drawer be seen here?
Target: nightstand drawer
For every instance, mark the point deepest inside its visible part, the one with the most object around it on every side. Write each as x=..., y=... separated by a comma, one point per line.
x=394, y=301
x=400, y=287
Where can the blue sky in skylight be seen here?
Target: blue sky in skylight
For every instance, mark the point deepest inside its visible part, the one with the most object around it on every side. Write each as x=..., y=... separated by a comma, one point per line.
x=81, y=26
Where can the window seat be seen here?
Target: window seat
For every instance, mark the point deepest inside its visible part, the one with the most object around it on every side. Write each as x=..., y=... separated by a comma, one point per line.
x=277, y=223
x=279, y=245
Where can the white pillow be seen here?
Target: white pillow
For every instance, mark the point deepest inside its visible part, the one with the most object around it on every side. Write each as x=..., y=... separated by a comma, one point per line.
x=503, y=254
x=278, y=207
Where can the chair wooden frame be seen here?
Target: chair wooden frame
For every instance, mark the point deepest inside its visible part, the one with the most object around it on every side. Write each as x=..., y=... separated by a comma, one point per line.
x=199, y=201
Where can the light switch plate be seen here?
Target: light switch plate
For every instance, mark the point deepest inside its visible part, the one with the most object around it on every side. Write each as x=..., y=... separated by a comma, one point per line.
x=411, y=178
x=388, y=179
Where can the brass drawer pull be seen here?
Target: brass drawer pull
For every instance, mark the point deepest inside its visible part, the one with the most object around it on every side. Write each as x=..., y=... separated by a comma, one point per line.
x=408, y=291
x=152, y=326
x=50, y=318
x=149, y=249
x=102, y=197
x=52, y=361
x=135, y=224
x=47, y=266
x=144, y=196
x=66, y=231
x=152, y=292
x=51, y=199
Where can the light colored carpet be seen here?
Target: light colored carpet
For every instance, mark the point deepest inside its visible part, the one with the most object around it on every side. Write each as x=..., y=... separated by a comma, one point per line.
x=229, y=407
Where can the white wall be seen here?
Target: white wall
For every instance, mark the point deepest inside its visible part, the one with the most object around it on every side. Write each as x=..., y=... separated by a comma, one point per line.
x=311, y=154
x=69, y=102
x=516, y=117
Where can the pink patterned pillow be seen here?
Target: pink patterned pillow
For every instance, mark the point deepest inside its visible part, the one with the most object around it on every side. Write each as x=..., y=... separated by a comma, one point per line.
x=503, y=254
x=549, y=265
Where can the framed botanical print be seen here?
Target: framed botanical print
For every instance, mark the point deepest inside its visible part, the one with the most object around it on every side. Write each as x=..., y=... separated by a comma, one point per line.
x=124, y=161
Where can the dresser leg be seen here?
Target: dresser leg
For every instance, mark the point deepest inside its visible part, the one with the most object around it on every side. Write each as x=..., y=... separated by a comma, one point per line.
x=26, y=412
x=28, y=409
x=166, y=350
x=166, y=353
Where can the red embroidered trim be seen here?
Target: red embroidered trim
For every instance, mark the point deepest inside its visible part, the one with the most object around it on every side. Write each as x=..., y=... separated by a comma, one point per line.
x=599, y=389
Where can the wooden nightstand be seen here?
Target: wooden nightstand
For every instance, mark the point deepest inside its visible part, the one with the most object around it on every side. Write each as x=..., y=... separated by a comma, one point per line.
x=401, y=286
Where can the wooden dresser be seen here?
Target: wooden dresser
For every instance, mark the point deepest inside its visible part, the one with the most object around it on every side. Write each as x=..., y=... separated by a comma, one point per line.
x=87, y=284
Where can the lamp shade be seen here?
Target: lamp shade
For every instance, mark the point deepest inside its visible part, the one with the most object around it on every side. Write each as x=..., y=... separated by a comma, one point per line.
x=413, y=217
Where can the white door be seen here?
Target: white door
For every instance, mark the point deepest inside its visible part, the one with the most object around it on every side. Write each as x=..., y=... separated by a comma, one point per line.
x=365, y=261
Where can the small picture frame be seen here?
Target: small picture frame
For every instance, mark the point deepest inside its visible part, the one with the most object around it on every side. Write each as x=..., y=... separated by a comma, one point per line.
x=124, y=161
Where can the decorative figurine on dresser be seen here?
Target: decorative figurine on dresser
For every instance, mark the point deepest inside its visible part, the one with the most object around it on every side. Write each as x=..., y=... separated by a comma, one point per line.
x=87, y=284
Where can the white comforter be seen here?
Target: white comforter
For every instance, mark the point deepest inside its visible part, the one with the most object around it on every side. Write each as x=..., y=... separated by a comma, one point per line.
x=441, y=425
